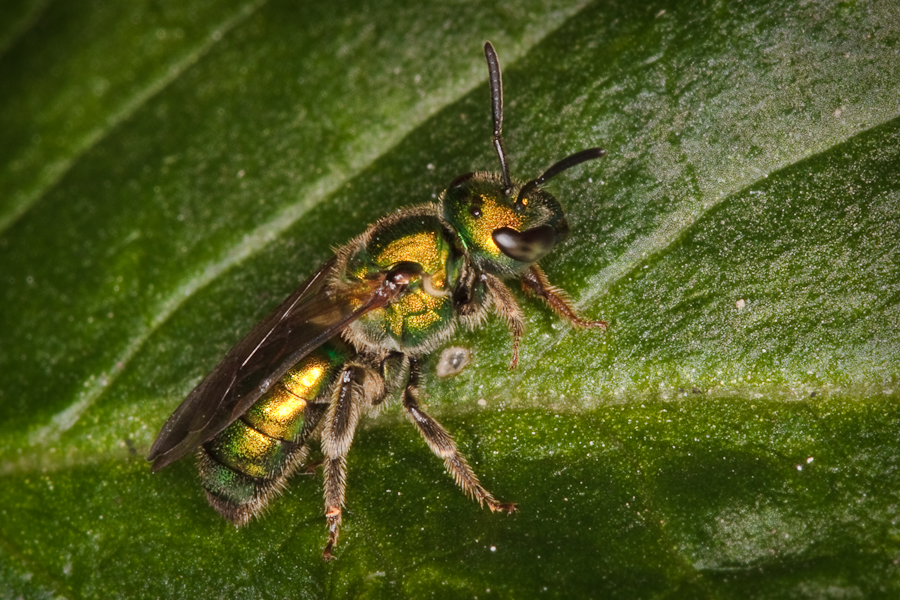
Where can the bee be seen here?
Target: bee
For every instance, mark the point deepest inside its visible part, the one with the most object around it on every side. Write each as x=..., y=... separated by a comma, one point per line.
x=352, y=335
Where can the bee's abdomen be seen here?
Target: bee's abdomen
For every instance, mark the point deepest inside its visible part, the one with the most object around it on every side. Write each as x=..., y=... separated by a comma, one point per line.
x=246, y=464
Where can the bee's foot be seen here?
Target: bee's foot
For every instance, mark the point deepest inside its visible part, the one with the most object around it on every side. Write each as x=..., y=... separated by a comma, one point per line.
x=507, y=507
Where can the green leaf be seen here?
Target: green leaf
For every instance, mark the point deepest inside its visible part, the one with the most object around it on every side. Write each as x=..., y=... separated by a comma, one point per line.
x=171, y=170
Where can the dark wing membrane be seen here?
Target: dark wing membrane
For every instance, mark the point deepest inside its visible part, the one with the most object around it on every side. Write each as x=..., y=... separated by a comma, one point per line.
x=302, y=323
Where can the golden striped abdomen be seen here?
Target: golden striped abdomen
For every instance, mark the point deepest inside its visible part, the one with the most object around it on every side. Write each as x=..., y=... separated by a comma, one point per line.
x=245, y=464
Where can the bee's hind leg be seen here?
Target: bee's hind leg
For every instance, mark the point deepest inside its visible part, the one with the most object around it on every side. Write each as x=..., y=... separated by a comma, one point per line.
x=355, y=386
x=443, y=446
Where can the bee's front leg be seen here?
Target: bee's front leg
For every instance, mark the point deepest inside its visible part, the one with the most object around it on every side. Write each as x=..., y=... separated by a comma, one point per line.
x=534, y=281
x=443, y=445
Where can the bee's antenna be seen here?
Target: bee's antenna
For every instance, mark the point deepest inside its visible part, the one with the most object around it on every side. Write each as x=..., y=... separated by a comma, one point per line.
x=566, y=163
x=497, y=111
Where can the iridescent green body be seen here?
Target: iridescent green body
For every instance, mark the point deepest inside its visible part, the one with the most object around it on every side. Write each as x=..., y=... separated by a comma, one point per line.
x=354, y=331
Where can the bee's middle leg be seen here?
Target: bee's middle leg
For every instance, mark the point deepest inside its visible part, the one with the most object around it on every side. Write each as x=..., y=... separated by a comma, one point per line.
x=442, y=444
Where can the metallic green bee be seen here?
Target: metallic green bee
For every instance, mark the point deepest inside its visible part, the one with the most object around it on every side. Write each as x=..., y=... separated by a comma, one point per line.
x=354, y=331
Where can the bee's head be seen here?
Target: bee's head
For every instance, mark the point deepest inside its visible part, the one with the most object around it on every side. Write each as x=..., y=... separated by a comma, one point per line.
x=506, y=226
x=503, y=231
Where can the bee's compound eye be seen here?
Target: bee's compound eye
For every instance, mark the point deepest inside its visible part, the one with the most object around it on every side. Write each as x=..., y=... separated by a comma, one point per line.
x=527, y=246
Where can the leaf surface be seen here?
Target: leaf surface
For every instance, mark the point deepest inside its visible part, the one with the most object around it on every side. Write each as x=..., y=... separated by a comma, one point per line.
x=171, y=171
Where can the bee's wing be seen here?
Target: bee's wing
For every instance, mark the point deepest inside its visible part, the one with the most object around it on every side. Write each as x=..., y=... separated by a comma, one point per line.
x=302, y=323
